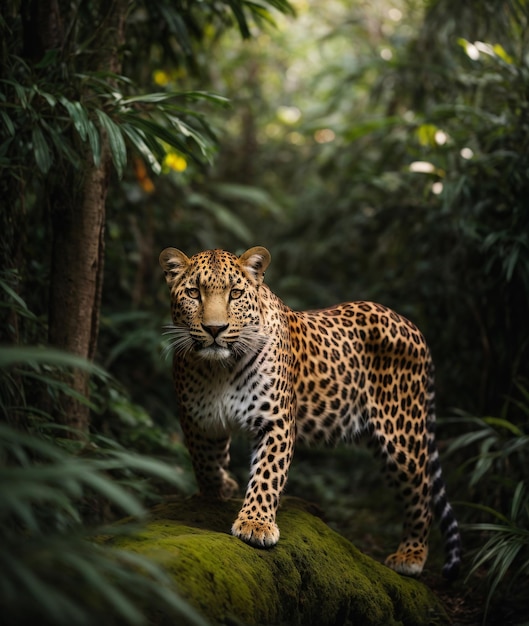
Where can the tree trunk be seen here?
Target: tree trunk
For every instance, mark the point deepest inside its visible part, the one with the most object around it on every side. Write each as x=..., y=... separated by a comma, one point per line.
x=76, y=280
x=78, y=223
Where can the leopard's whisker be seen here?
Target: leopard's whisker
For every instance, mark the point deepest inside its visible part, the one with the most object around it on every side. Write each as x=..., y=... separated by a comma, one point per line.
x=179, y=340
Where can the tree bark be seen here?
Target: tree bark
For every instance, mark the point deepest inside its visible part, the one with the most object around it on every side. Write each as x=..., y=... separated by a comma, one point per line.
x=76, y=279
x=78, y=209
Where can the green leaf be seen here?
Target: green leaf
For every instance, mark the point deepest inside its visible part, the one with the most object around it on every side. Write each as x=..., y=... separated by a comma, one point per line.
x=50, y=98
x=162, y=586
x=153, y=129
x=62, y=145
x=138, y=140
x=22, y=93
x=177, y=26
x=499, y=422
x=14, y=296
x=511, y=262
x=148, y=465
x=223, y=216
x=467, y=440
x=41, y=151
x=8, y=123
x=238, y=11
x=57, y=384
x=252, y=195
x=206, y=95
x=10, y=356
x=51, y=58
x=499, y=50
x=78, y=115
x=149, y=98
x=118, y=149
x=114, y=493
x=91, y=573
x=94, y=141
x=519, y=500
x=172, y=97
x=426, y=134
x=50, y=598
x=189, y=131
x=369, y=126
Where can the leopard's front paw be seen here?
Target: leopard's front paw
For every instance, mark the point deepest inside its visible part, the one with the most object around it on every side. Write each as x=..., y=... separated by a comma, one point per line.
x=257, y=533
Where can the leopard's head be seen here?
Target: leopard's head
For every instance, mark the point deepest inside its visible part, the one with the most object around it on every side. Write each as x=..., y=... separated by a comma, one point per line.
x=215, y=302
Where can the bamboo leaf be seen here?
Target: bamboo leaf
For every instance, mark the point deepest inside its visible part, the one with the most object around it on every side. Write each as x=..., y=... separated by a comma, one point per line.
x=50, y=98
x=486, y=509
x=25, y=354
x=369, y=126
x=162, y=587
x=138, y=140
x=518, y=500
x=252, y=195
x=153, y=129
x=21, y=92
x=94, y=141
x=14, y=296
x=115, y=494
x=499, y=422
x=223, y=215
x=116, y=142
x=50, y=598
x=78, y=116
x=240, y=17
x=205, y=95
x=189, y=131
x=171, y=100
x=511, y=262
x=41, y=151
x=149, y=466
x=62, y=145
x=107, y=589
x=149, y=98
x=466, y=440
x=176, y=26
x=8, y=123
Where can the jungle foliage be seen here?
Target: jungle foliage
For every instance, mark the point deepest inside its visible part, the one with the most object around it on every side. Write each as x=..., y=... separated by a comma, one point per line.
x=379, y=150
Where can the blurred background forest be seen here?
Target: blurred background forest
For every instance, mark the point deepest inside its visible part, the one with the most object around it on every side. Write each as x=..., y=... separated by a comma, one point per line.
x=379, y=149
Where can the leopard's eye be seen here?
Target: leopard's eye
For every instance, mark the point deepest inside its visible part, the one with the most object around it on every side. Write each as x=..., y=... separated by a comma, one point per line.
x=235, y=294
x=193, y=292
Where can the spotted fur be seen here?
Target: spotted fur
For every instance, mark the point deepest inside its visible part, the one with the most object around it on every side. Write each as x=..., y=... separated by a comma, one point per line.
x=243, y=359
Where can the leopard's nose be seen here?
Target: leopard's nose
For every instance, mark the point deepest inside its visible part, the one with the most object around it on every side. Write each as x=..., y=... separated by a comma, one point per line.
x=214, y=331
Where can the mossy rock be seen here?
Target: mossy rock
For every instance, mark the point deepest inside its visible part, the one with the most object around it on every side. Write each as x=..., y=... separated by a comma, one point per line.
x=312, y=577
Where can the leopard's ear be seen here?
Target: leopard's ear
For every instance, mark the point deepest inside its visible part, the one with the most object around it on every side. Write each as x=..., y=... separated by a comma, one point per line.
x=174, y=263
x=256, y=260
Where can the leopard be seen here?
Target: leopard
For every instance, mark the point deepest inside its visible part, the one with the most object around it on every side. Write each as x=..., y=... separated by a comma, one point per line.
x=245, y=361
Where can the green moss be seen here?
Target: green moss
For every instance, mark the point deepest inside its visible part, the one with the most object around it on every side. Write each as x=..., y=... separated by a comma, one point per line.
x=313, y=576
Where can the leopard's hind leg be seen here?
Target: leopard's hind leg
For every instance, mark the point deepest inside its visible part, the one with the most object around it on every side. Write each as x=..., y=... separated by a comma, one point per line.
x=405, y=454
x=412, y=484
x=412, y=462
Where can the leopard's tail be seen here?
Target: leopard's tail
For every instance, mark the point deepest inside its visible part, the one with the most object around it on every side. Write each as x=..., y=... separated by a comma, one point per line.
x=441, y=506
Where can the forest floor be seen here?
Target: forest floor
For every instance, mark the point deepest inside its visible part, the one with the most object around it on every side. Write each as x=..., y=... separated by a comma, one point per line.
x=350, y=491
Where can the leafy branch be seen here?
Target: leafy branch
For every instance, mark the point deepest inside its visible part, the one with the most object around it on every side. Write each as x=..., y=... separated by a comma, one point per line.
x=145, y=123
